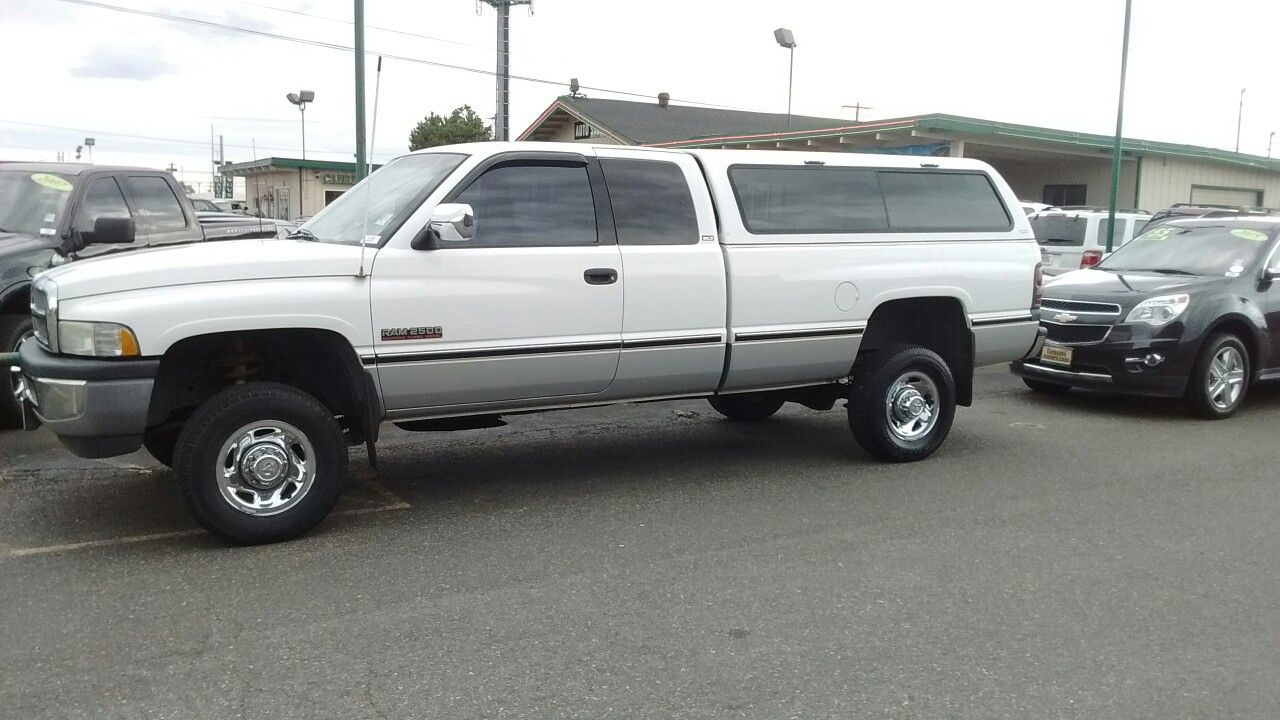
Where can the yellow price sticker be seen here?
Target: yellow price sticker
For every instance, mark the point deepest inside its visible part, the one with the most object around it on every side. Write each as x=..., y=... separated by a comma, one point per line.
x=1248, y=234
x=53, y=182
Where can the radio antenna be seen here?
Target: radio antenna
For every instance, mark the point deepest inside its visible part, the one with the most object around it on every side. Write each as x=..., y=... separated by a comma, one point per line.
x=368, y=180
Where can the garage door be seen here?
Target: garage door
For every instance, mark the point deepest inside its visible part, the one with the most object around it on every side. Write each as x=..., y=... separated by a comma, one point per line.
x=1201, y=195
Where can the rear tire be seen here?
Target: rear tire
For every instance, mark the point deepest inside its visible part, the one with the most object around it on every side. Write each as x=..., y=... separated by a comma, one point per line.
x=14, y=329
x=261, y=463
x=747, y=407
x=1220, y=378
x=902, y=404
x=1047, y=388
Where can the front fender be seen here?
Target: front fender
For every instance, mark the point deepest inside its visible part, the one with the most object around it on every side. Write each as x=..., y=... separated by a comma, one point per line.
x=162, y=317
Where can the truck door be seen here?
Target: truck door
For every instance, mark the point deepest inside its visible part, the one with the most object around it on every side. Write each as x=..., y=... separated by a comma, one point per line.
x=529, y=307
x=159, y=215
x=673, y=333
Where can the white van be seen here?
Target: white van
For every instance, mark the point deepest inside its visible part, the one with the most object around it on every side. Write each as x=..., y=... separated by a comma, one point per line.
x=488, y=278
x=1072, y=237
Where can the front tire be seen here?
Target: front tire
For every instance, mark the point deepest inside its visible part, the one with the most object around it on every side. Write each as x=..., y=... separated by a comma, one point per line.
x=261, y=463
x=747, y=407
x=902, y=405
x=1220, y=378
x=14, y=329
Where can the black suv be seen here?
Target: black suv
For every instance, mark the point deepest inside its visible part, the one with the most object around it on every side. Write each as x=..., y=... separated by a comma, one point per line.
x=51, y=213
x=1189, y=309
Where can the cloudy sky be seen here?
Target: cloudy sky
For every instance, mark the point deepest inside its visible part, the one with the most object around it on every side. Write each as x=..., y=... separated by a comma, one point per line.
x=149, y=88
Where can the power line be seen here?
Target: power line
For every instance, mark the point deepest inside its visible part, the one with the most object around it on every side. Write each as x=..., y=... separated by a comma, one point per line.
x=343, y=21
x=348, y=48
x=157, y=140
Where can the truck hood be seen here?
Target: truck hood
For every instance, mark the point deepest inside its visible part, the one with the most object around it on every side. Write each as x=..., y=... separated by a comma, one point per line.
x=18, y=243
x=207, y=262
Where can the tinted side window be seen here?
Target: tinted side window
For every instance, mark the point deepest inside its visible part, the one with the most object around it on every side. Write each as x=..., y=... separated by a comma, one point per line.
x=808, y=199
x=524, y=204
x=102, y=199
x=651, y=202
x=157, y=204
x=942, y=201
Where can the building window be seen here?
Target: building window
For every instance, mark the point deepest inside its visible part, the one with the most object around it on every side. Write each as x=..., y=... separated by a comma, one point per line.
x=1063, y=195
x=331, y=195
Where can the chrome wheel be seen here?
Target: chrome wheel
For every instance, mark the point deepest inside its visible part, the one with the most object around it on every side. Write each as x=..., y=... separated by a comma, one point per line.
x=1226, y=378
x=266, y=468
x=912, y=405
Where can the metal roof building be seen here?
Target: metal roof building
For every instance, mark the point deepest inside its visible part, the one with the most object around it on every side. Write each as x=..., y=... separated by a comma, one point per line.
x=286, y=188
x=1042, y=164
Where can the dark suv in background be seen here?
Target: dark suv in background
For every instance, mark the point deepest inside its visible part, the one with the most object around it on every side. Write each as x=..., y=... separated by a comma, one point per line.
x=1189, y=309
x=51, y=213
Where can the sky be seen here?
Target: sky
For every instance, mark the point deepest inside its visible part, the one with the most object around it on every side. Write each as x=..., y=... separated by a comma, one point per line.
x=148, y=89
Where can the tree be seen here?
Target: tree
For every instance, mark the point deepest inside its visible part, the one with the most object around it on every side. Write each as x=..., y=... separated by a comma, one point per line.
x=462, y=126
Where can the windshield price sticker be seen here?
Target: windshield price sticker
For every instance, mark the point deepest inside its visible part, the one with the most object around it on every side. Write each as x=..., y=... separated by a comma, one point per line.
x=1248, y=234
x=53, y=182
x=1160, y=233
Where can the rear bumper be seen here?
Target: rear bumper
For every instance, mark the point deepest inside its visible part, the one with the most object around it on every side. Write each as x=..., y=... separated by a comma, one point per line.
x=96, y=408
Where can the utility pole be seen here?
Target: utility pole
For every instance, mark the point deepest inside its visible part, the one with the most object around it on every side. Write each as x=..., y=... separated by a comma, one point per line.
x=1115, y=150
x=1239, y=119
x=857, y=109
x=361, y=167
x=502, y=89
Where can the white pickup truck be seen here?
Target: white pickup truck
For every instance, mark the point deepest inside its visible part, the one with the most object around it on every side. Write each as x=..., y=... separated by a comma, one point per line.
x=467, y=281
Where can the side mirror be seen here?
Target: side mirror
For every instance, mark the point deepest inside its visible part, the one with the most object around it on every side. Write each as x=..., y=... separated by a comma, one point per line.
x=111, y=231
x=450, y=224
x=1271, y=274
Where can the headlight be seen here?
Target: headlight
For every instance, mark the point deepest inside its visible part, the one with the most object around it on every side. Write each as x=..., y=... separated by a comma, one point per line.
x=96, y=339
x=1159, y=311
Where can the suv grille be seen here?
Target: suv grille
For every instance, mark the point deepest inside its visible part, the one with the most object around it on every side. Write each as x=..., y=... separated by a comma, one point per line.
x=1076, y=334
x=1080, y=306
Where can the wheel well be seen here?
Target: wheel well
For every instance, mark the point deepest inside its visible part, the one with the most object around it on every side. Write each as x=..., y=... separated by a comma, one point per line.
x=1247, y=334
x=936, y=323
x=321, y=363
x=17, y=302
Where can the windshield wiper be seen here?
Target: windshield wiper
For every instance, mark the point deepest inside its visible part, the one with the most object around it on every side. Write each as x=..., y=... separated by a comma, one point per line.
x=303, y=233
x=1170, y=271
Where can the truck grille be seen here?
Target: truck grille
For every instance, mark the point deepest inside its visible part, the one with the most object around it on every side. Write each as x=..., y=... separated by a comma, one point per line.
x=40, y=316
x=1075, y=334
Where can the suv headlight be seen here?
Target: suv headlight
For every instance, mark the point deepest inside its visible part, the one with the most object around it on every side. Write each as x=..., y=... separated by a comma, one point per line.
x=96, y=339
x=1159, y=311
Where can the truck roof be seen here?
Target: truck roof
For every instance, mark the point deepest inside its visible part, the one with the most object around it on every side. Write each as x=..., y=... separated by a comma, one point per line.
x=70, y=168
x=728, y=157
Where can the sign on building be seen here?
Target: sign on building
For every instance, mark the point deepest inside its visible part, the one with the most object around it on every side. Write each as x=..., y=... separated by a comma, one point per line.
x=581, y=130
x=338, y=179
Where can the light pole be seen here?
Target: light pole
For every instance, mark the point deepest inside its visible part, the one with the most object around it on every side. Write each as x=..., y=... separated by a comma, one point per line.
x=89, y=143
x=1239, y=118
x=1115, y=150
x=301, y=98
x=787, y=40
x=1271, y=138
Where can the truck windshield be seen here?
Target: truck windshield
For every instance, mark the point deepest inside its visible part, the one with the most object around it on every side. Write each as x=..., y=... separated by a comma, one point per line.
x=382, y=199
x=1199, y=250
x=33, y=203
x=1059, y=229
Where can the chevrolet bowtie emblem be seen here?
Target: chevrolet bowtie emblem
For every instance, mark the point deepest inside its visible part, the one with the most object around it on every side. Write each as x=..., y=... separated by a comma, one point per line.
x=1065, y=317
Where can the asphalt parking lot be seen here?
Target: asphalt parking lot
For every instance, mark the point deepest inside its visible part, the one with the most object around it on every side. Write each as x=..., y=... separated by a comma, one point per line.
x=1081, y=557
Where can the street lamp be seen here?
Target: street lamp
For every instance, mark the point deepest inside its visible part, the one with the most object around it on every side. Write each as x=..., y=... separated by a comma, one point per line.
x=89, y=143
x=1239, y=118
x=787, y=40
x=301, y=98
x=1271, y=138
x=1115, y=148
